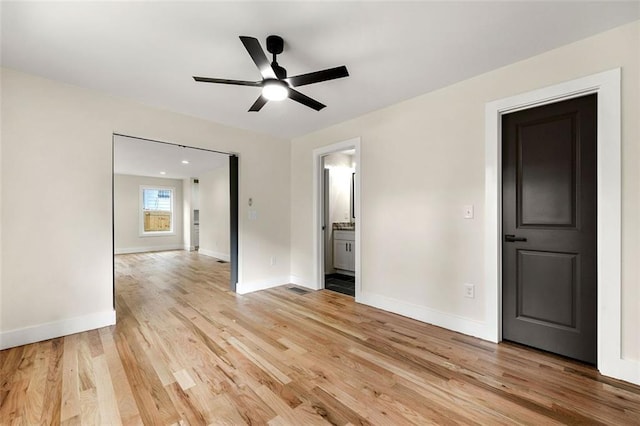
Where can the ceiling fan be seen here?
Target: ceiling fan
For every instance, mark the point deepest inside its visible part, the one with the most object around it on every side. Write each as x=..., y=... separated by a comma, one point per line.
x=275, y=84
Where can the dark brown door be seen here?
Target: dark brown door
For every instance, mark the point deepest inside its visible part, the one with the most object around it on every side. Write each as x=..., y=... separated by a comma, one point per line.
x=549, y=228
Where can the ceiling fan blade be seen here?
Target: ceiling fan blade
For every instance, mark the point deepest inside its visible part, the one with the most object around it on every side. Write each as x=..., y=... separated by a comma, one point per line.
x=257, y=54
x=225, y=81
x=318, y=76
x=258, y=104
x=305, y=100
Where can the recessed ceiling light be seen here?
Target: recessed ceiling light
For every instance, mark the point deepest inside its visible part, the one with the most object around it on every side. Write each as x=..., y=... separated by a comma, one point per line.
x=185, y=161
x=163, y=173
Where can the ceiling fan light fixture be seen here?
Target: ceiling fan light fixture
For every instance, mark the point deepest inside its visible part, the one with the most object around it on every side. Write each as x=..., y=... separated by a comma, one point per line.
x=275, y=84
x=275, y=90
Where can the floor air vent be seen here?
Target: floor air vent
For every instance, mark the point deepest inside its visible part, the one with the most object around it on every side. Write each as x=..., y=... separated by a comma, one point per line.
x=298, y=290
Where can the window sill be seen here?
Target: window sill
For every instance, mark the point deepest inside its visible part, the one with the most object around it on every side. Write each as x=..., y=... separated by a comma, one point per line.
x=157, y=234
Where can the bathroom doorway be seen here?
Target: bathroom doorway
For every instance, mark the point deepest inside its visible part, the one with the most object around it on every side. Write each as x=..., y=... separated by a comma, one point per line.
x=338, y=216
x=339, y=222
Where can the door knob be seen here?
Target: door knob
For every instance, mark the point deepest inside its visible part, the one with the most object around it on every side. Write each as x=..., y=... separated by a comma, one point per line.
x=508, y=238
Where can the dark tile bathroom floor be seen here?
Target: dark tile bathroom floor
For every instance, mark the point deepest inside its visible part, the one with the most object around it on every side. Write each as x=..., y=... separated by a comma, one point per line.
x=340, y=283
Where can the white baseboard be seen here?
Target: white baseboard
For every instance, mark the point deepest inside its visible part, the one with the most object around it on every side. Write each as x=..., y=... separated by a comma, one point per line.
x=130, y=250
x=51, y=330
x=421, y=313
x=622, y=369
x=301, y=282
x=248, y=287
x=217, y=255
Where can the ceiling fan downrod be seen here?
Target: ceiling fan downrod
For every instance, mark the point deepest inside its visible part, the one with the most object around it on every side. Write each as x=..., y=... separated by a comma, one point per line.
x=275, y=46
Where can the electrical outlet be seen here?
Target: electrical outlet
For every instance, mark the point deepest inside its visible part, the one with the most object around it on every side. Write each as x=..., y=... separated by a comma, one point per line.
x=273, y=261
x=468, y=211
x=469, y=291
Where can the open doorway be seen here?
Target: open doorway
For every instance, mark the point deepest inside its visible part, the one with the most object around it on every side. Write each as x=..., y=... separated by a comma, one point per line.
x=337, y=216
x=339, y=221
x=172, y=197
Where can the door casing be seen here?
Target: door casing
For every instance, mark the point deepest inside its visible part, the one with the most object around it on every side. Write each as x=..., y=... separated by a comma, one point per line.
x=607, y=86
x=318, y=202
x=233, y=217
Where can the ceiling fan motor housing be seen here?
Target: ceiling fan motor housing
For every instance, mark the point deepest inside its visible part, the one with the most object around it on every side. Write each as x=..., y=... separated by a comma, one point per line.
x=275, y=44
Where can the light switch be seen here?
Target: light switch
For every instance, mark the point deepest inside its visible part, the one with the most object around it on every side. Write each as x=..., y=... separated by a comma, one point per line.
x=253, y=214
x=468, y=211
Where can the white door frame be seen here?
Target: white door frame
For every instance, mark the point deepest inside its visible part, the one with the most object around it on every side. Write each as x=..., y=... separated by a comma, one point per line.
x=607, y=86
x=318, y=239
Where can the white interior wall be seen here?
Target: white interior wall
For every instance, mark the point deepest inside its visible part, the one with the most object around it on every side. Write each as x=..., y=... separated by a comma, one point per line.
x=126, y=199
x=1, y=195
x=422, y=160
x=215, y=232
x=57, y=145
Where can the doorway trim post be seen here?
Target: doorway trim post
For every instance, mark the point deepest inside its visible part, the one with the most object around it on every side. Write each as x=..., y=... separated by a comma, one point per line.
x=233, y=219
x=607, y=86
x=318, y=240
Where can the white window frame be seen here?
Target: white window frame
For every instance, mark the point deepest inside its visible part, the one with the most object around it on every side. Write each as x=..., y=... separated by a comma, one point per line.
x=144, y=233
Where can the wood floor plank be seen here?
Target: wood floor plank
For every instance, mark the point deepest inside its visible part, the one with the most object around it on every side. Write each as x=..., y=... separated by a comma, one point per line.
x=285, y=412
x=21, y=368
x=34, y=402
x=52, y=398
x=106, y=395
x=127, y=407
x=89, y=408
x=188, y=351
x=70, y=386
x=14, y=400
x=141, y=389
x=260, y=361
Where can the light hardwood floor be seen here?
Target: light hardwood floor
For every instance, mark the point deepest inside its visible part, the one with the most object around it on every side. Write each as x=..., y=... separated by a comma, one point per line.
x=188, y=351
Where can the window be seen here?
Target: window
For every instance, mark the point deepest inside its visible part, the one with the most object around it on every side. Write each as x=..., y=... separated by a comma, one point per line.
x=156, y=210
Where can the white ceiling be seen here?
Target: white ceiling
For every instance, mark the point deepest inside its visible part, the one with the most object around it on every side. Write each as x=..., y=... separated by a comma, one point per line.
x=133, y=156
x=148, y=51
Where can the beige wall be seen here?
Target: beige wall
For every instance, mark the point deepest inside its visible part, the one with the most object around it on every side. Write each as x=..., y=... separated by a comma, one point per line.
x=56, y=196
x=214, y=213
x=423, y=159
x=126, y=199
